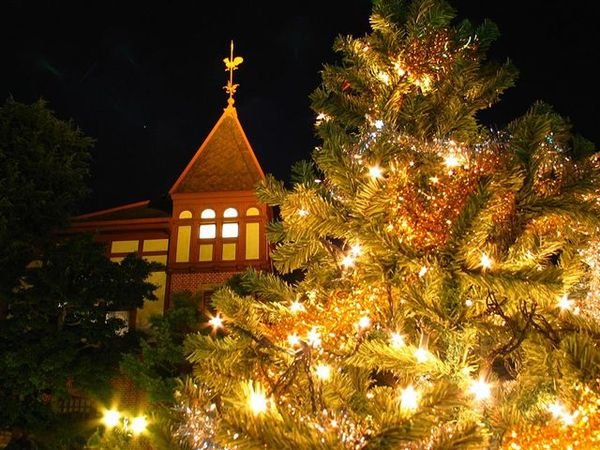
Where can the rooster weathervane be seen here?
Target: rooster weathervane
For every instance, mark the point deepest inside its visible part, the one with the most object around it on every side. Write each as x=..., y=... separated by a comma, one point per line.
x=231, y=64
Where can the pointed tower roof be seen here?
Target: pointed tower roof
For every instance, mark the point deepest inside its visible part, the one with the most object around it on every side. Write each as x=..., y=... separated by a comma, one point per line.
x=225, y=161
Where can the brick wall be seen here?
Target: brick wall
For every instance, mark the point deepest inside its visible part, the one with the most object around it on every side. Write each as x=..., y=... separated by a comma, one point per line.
x=195, y=281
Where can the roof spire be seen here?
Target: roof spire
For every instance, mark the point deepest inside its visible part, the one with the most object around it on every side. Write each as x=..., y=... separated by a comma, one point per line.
x=231, y=64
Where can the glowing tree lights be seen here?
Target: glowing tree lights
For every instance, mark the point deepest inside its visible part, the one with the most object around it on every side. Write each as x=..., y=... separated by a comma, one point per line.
x=449, y=271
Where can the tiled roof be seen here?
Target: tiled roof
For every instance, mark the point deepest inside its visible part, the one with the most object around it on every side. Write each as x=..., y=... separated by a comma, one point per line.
x=139, y=210
x=224, y=162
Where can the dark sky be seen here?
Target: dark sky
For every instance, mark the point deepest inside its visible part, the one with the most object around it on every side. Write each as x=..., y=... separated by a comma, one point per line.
x=145, y=78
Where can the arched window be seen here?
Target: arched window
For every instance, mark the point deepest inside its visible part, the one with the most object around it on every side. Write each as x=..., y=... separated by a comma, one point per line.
x=230, y=212
x=207, y=234
x=230, y=228
x=184, y=234
x=208, y=228
x=252, y=233
x=230, y=232
x=208, y=214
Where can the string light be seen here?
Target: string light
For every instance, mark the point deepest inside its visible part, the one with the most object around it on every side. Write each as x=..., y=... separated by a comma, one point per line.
x=216, y=322
x=564, y=302
x=323, y=372
x=364, y=322
x=421, y=355
x=480, y=390
x=111, y=418
x=375, y=172
x=396, y=340
x=257, y=400
x=348, y=261
x=409, y=399
x=138, y=424
x=293, y=340
x=355, y=250
x=313, y=337
x=485, y=262
x=296, y=306
x=452, y=161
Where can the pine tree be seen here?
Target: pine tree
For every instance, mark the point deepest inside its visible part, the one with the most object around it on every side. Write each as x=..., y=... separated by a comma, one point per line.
x=444, y=293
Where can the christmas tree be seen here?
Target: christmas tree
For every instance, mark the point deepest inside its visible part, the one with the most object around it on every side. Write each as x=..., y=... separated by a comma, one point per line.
x=436, y=279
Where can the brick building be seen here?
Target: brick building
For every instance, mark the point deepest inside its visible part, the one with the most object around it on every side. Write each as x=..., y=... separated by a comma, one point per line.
x=211, y=227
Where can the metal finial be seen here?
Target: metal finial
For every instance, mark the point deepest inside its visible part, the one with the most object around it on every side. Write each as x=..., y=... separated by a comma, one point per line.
x=231, y=64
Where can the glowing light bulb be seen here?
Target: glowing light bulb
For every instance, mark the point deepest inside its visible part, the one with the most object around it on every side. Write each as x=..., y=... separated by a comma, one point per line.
x=423, y=271
x=375, y=172
x=384, y=77
x=364, y=322
x=138, y=424
x=111, y=418
x=396, y=340
x=486, y=261
x=451, y=161
x=348, y=261
x=216, y=322
x=293, y=340
x=302, y=212
x=556, y=409
x=355, y=250
x=559, y=412
x=323, y=372
x=409, y=399
x=434, y=180
x=296, y=306
x=399, y=69
x=257, y=400
x=565, y=302
x=313, y=337
x=379, y=124
x=421, y=355
x=322, y=117
x=480, y=389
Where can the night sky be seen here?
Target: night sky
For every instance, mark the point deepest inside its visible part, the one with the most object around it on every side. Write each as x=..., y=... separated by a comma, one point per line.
x=145, y=78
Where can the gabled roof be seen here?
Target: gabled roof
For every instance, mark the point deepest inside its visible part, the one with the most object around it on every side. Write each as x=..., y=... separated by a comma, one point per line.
x=224, y=162
x=139, y=210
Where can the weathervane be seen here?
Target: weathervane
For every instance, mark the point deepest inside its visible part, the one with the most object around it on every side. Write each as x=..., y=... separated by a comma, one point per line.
x=231, y=64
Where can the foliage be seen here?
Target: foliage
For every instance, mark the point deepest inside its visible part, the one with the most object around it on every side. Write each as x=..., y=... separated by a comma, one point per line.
x=44, y=166
x=160, y=360
x=58, y=335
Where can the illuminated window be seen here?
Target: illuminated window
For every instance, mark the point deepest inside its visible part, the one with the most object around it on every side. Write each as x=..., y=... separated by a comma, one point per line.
x=252, y=240
x=124, y=247
x=252, y=211
x=185, y=215
x=206, y=252
x=208, y=231
x=230, y=212
x=230, y=230
x=184, y=234
x=229, y=250
x=208, y=214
